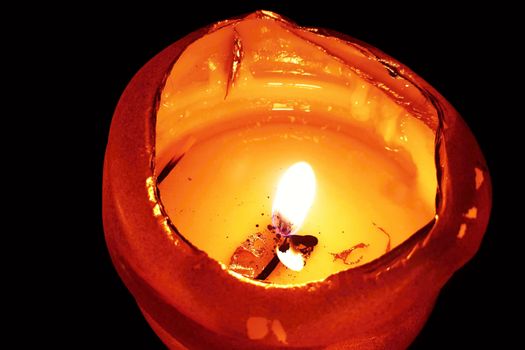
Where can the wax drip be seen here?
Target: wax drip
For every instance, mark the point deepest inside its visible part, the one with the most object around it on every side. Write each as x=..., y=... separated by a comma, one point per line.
x=386, y=233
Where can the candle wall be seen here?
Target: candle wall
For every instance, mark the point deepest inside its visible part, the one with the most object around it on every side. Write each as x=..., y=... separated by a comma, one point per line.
x=192, y=300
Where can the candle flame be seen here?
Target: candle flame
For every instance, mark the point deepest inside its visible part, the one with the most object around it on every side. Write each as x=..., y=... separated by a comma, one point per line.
x=294, y=197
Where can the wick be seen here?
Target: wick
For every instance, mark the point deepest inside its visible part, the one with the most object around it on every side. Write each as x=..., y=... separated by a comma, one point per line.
x=272, y=265
x=283, y=226
x=304, y=244
x=269, y=268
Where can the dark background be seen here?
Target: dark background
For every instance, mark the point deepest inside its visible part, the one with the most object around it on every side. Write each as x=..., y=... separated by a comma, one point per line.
x=453, y=50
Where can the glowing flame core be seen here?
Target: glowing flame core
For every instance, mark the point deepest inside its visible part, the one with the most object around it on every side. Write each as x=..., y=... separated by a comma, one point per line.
x=294, y=197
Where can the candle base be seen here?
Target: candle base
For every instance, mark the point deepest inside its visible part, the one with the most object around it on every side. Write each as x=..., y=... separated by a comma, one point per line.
x=394, y=338
x=164, y=336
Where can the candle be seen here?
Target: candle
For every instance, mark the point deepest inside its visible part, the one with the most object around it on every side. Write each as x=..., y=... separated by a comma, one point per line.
x=360, y=184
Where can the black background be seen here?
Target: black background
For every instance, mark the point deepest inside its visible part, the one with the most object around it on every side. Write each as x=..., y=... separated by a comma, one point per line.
x=452, y=49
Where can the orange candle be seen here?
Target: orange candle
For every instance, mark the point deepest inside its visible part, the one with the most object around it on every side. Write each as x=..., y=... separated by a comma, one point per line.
x=257, y=130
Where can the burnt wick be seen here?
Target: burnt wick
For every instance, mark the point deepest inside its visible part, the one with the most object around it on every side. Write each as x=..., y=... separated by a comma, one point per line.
x=285, y=246
x=304, y=244
x=283, y=226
